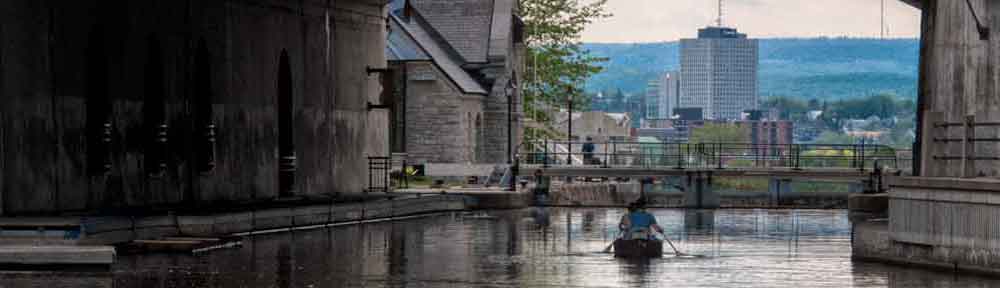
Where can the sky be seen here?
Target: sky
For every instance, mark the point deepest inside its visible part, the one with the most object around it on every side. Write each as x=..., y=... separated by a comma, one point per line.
x=670, y=20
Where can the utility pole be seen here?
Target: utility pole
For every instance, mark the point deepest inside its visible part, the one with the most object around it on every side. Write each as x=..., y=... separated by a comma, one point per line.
x=882, y=25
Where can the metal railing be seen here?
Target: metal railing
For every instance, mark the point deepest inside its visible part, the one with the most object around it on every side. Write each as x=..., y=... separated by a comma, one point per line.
x=379, y=171
x=708, y=155
x=969, y=141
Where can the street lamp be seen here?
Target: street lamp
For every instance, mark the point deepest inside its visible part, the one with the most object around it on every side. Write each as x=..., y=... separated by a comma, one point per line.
x=509, y=90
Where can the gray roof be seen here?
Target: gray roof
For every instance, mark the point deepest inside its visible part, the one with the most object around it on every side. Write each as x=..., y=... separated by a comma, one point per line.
x=464, y=24
x=421, y=37
x=402, y=47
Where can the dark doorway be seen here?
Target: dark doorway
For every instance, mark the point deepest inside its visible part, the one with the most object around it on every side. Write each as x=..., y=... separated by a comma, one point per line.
x=98, y=106
x=204, y=123
x=286, y=142
x=153, y=109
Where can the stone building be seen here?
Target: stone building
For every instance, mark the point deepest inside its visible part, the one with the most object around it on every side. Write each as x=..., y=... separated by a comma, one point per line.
x=138, y=104
x=454, y=69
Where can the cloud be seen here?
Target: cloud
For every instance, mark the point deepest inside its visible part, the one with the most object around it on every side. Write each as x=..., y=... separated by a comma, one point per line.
x=669, y=20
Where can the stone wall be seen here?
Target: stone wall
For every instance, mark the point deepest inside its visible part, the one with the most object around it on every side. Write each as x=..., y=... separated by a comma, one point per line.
x=443, y=125
x=70, y=67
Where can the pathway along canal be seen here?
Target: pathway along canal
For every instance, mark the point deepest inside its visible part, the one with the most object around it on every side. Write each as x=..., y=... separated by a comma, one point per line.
x=526, y=248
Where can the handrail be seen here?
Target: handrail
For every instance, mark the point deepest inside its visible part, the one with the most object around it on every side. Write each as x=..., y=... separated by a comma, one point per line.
x=719, y=155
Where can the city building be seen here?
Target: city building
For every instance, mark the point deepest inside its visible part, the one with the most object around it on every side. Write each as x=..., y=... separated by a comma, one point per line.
x=454, y=69
x=662, y=96
x=719, y=73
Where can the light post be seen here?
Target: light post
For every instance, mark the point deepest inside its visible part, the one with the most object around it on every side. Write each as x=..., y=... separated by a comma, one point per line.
x=509, y=90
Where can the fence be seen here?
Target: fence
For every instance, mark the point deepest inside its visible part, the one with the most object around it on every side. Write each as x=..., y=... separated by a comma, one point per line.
x=708, y=155
x=379, y=169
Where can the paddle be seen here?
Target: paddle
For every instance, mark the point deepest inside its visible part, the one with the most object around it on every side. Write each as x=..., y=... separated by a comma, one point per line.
x=608, y=249
x=676, y=252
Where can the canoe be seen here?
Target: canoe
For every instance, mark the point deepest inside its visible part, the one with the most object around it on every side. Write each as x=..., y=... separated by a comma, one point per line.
x=638, y=248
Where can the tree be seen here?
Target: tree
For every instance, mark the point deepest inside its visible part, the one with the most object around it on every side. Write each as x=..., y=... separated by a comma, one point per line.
x=829, y=137
x=718, y=133
x=557, y=65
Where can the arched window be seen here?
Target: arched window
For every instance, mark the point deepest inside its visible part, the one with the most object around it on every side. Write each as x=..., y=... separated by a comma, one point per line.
x=203, y=108
x=480, y=139
x=286, y=142
x=98, y=106
x=153, y=110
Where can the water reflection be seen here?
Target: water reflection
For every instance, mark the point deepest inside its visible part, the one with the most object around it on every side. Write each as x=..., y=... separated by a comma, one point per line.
x=537, y=247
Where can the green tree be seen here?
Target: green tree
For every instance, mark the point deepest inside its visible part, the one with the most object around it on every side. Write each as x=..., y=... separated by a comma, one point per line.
x=557, y=65
x=830, y=137
x=718, y=133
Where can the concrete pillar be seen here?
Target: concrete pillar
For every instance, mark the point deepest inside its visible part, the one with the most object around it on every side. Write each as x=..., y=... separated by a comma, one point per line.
x=778, y=188
x=698, y=192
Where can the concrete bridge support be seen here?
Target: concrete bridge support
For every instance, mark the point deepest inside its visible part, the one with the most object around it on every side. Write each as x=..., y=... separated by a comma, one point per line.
x=698, y=192
x=777, y=187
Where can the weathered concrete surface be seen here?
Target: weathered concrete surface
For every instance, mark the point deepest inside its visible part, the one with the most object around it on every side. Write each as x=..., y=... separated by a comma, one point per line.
x=872, y=203
x=57, y=255
x=594, y=194
x=943, y=222
x=71, y=67
x=110, y=230
x=958, y=78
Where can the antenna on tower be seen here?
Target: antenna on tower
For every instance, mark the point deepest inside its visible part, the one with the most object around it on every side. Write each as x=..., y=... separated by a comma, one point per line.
x=882, y=27
x=718, y=21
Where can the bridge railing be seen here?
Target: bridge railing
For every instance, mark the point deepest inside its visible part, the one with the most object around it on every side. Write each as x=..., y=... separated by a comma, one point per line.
x=707, y=155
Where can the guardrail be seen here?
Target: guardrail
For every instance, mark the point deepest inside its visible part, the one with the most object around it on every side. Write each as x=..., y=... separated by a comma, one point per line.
x=379, y=169
x=708, y=155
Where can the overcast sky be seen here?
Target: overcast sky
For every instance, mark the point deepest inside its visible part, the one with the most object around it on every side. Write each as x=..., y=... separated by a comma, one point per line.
x=669, y=20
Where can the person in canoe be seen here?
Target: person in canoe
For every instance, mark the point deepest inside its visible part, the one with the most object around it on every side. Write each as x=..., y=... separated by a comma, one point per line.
x=637, y=223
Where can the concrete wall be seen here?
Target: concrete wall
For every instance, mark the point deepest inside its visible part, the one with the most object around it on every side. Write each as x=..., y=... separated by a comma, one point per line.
x=71, y=66
x=958, y=78
x=441, y=120
x=943, y=222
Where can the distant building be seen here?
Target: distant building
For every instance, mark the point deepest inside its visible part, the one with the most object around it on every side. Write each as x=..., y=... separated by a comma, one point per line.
x=662, y=96
x=598, y=125
x=719, y=72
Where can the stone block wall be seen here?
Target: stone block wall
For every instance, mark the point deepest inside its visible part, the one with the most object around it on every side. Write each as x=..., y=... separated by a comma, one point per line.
x=443, y=124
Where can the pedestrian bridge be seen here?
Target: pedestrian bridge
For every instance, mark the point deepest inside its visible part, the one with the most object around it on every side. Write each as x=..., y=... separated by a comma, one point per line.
x=864, y=165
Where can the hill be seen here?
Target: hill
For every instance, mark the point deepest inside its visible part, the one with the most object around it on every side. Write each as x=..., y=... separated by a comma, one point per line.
x=826, y=68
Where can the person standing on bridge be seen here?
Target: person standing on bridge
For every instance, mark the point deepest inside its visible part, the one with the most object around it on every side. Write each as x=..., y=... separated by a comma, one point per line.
x=588, y=151
x=637, y=223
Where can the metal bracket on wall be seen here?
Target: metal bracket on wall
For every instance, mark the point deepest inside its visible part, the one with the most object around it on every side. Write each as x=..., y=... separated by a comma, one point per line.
x=377, y=106
x=371, y=70
x=984, y=31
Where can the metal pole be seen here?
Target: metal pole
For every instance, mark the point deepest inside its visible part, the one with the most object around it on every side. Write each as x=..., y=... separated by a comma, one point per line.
x=569, y=126
x=510, y=121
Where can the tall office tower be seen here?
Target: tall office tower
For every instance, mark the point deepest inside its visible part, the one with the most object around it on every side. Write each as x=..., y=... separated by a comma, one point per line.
x=719, y=72
x=661, y=95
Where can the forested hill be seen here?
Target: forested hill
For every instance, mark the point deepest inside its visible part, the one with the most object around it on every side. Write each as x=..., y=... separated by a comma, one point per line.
x=826, y=68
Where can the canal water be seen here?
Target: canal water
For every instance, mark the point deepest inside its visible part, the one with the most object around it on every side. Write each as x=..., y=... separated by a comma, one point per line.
x=525, y=248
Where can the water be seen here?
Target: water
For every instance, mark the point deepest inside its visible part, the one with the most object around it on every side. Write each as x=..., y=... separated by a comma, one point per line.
x=526, y=248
